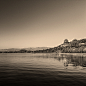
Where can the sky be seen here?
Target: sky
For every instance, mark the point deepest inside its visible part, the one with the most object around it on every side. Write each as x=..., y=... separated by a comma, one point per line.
x=41, y=23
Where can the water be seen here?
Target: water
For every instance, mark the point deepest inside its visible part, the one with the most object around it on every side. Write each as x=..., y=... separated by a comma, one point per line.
x=25, y=69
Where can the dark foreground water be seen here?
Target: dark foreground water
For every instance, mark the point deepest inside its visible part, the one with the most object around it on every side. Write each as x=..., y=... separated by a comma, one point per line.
x=24, y=69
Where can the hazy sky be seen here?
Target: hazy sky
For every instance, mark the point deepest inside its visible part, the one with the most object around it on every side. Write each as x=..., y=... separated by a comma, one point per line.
x=41, y=23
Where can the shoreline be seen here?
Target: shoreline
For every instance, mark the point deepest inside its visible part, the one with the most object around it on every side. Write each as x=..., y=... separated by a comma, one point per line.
x=78, y=54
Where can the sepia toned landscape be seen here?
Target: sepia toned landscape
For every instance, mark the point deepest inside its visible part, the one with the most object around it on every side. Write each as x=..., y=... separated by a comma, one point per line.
x=74, y=46
x=42, y=42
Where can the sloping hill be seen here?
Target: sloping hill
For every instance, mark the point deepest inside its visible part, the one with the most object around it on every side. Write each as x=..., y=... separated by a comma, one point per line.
x=74, y=46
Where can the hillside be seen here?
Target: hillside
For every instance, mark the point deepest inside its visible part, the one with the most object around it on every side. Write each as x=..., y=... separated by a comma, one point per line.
x=74, y=46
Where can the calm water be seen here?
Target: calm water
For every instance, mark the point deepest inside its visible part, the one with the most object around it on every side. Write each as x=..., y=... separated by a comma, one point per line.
x=24, y=69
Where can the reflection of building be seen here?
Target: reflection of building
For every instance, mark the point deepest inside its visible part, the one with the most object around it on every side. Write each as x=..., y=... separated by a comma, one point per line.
x=79, y=60
x=71, y=60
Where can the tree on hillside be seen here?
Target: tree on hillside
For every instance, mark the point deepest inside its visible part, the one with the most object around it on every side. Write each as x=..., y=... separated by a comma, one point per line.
x=74, y=40
x=74, y=43
x=23, y=51
x=82, y=41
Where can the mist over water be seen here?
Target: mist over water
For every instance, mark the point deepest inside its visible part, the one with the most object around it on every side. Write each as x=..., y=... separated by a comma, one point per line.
x=27, y=69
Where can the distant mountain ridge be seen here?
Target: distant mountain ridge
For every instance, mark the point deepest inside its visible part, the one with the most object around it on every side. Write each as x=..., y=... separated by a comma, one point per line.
x=19, y=49
x=74, y=46
x=36, y=48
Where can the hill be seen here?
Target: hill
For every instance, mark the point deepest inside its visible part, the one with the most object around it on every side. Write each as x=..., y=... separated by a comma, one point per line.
x=74, y=46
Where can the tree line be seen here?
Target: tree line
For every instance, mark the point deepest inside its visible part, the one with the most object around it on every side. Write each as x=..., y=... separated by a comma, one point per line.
x=74, y=46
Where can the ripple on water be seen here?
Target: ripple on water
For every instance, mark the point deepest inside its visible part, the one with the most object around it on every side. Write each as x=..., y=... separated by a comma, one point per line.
x=41, y=69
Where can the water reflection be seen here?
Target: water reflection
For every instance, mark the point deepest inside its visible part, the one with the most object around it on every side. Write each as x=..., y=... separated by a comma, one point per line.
x=42, y=69
x=72, y=60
